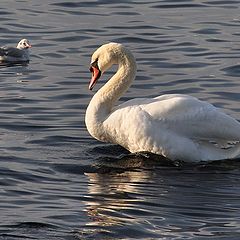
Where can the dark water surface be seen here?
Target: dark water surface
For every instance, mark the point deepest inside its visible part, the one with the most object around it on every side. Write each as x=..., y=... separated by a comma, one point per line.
x=59, y=183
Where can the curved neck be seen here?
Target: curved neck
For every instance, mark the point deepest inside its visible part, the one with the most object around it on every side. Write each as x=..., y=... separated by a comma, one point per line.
x=110, y=93
x=104, y=100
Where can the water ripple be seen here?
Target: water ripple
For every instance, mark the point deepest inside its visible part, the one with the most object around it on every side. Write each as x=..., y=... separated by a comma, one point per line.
x=57, y=182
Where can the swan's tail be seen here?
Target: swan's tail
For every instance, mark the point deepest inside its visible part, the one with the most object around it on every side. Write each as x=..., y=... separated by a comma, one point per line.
x=210, y=151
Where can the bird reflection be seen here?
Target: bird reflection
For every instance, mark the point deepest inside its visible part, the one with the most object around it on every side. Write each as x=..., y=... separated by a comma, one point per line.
x=113, y=193
x=117, y=187
x=15, y=64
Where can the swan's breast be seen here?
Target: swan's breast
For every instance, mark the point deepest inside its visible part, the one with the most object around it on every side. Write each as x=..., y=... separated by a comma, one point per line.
x=134, y=129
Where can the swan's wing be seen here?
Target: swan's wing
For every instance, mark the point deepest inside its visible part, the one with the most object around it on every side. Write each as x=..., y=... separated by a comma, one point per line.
x=193, y=118
x=183, y=115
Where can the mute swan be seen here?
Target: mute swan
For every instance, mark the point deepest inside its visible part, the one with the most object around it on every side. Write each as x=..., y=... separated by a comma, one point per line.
x=179, y=127
x=16, y=54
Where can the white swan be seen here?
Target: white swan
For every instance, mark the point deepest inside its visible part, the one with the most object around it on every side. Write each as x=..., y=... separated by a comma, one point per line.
x=179, y=127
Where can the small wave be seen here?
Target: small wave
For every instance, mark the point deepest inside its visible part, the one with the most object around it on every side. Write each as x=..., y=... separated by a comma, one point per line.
x=233, y=71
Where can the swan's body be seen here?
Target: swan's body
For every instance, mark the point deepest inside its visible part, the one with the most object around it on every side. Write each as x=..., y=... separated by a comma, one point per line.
x=177, y=126
x=16, y=54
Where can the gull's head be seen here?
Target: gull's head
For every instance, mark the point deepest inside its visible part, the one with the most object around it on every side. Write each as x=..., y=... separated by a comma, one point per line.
x=24, y=44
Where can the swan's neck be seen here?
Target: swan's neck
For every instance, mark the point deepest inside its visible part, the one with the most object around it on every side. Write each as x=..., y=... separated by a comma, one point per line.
x=104, y=100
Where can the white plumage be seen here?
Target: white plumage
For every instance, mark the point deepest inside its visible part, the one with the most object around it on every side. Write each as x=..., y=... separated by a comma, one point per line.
x=179, y=127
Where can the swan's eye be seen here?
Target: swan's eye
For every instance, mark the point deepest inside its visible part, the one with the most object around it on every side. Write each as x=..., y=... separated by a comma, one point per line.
x=95, y=64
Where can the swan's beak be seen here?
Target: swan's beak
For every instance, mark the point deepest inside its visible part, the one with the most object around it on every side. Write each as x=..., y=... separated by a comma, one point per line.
x=96, y=73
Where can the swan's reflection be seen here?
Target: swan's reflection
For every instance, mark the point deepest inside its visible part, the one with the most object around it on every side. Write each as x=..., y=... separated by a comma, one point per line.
x=119, y=185
x=162, y=201
x=110, y=194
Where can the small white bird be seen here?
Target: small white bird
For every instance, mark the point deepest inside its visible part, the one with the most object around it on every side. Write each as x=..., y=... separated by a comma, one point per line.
x=17, y=54
x=177, y=126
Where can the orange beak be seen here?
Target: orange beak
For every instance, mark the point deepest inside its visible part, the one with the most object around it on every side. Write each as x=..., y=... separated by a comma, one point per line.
x=96, y=74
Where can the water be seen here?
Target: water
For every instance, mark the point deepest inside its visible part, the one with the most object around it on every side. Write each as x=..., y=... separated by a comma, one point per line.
x=59, y=183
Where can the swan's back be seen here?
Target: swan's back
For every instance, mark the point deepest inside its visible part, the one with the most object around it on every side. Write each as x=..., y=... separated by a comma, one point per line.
x=165, y=123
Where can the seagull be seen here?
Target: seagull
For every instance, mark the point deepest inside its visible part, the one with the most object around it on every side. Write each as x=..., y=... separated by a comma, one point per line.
x=19, y=54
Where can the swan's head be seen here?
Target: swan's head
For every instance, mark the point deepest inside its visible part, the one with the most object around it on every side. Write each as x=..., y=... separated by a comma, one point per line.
x=103, y=58
x=24, y=44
